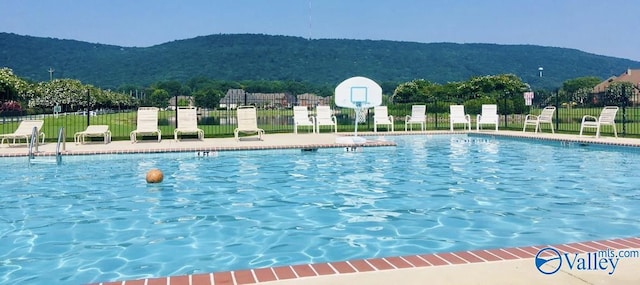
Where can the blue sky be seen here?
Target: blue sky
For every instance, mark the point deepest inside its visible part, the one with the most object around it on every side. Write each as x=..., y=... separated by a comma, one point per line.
x=607, y=27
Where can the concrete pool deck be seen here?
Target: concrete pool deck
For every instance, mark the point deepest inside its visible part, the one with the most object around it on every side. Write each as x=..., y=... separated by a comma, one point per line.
x=280, y=141
x=491, y=266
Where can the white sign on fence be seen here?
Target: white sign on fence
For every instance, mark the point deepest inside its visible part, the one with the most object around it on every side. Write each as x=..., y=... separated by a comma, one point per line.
x=528, y=98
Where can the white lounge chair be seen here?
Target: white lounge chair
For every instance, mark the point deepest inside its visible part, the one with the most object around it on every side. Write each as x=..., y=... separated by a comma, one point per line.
x=24, y=131
x=457, y=116
x=301, y=118
x=187, y=123
x=381, y=117
x=546, y=116
x=93, y=131
x=489, y=116
x=418, y=116
x=325, y=117
x=607, y=118
x=247, y=122
x=147, y=123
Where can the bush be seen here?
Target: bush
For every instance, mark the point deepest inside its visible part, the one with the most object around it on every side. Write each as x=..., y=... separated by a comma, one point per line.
x=11, y=108
x=474, y=106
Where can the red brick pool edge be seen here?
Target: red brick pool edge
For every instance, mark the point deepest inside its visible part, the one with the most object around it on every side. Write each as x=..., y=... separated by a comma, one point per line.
x=259, y=275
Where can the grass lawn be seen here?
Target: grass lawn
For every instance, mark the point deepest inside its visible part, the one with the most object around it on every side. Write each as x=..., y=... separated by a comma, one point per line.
x=221, y=123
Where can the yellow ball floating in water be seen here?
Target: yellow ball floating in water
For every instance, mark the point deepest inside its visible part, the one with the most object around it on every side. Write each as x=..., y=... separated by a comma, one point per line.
x=154, y=176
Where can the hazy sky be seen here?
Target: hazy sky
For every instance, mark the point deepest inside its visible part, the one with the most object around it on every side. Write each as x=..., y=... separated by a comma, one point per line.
x=606, y=27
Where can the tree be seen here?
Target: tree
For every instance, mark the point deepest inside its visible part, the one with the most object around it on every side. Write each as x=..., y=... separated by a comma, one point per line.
x=10, y=84
x=172, y=87
x=492, y=86
x=158, y=98
x=618, y=93
x=71, y=94
x=579, y=89
x=580, y=83
x=417, y=90
x=207, y=98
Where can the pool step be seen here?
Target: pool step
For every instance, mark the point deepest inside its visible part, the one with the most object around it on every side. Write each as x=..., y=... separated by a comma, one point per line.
x=47, y=160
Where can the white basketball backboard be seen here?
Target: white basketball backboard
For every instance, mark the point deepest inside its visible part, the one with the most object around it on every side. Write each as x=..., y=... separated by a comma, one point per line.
x=358, y=92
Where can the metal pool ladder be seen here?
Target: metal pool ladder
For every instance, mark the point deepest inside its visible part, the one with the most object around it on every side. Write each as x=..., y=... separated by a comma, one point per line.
x=33, y=143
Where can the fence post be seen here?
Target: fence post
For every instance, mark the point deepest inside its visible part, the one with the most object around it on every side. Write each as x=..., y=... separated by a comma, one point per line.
x=505, y=109
x=558, y=110
x=88, y=109
x=624, y=111
x=435, y=107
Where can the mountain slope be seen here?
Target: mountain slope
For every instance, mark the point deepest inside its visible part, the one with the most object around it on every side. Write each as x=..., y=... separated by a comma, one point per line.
x=324, y=61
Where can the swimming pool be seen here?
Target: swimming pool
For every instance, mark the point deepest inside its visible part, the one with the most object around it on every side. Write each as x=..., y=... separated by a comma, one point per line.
x=95, y=219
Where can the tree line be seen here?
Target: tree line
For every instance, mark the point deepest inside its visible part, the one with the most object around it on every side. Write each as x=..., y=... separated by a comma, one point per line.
x=20, y=95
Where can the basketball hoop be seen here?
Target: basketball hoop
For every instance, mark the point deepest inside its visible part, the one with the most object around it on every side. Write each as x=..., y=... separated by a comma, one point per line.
x=358, y=93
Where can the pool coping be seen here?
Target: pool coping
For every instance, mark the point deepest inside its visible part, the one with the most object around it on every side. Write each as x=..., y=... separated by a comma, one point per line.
x=290, y=141
x=278, y=141
x=306, y=271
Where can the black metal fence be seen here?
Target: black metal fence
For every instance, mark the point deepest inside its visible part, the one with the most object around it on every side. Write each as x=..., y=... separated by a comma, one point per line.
x=222, y=122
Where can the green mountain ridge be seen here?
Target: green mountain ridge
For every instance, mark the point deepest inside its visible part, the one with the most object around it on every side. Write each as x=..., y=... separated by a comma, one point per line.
x=239, y=57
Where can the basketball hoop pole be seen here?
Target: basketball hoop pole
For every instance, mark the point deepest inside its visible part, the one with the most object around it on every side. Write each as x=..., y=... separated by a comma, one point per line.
x=357, y=109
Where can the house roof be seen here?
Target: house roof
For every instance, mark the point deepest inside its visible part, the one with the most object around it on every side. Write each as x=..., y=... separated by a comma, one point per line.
x=237, y=96
x=309, y=96
x=631, y=75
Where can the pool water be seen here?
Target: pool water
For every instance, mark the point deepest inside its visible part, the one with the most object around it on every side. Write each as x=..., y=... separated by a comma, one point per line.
x=94, y=218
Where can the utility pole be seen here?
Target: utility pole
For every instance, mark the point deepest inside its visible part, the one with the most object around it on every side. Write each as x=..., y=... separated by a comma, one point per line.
x=51, y=70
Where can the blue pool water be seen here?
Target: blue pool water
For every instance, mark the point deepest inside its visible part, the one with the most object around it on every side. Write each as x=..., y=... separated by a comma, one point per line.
x=94, y=218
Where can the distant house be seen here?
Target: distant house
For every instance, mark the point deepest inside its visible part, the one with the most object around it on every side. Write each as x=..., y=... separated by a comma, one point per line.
x=631, y=75
x=239, y=97
x=233, y=99
x=312, y=100
x=272, y=100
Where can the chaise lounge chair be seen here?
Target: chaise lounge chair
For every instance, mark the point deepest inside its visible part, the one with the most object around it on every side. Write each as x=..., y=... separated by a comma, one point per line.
x=301, y=118
x=546, y=116
x=489, y=116
x=607, y=118
x=381, y=117
x=93, y=131
x=247, y=122
x=187, y=123
x=147, y=123
x=418, y=116
x=24, y=131
x=457, y=116
x=325, y=117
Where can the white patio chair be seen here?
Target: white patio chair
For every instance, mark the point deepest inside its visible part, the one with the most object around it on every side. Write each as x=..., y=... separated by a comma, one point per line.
x=607, y=118
x=247, y=122
x=93, y=131
x=546, y=116
x=24, y=131
x=457, y=116
x=301, y=118
x=325, y=117
x=489, y=116
x=147, y=124
x=381, y=117
x=187, y=123
x=418, y=116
